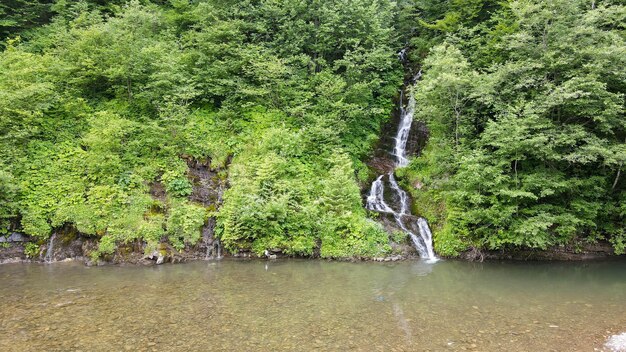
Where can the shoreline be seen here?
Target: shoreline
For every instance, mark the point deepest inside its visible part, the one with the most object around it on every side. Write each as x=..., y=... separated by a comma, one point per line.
x=128, y=254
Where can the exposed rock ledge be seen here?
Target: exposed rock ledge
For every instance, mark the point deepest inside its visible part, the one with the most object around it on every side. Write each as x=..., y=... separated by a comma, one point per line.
x=589, y=251
x=79, y=247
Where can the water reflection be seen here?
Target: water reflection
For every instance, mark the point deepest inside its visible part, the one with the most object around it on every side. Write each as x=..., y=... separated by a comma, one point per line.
x=295, y=305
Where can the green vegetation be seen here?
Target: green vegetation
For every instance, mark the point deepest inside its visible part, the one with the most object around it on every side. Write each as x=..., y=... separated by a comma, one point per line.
x=101, y=102
x=31, y=250
x=528, y=133
x=104, y=101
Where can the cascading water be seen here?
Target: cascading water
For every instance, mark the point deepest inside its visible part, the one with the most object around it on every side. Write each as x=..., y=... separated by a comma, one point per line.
x=406, y=119
x=427, y=236
x=49, y=258
x=375, y=200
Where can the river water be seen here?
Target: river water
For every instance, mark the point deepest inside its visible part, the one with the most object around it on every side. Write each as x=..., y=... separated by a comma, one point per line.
x=304, y=305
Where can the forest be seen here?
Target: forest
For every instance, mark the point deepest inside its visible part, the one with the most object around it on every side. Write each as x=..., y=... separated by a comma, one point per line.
x=105, y=106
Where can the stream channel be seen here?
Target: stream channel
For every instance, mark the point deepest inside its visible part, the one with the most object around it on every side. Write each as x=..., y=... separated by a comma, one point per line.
x=306, y=305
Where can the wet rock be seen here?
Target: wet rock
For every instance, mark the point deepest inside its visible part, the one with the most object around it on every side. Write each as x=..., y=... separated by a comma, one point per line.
x=14, y=237
x=382, y=164
x=572, y=252
x=14, y=253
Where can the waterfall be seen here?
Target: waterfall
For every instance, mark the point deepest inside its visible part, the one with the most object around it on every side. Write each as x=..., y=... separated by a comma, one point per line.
x=402, y=55
x=375, y=199
x=49, y=258
x=406, y=119
x=427, y=237
x=404, y=198
x=219, y=249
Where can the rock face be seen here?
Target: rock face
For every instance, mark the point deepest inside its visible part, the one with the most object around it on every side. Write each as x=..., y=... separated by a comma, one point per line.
x=78, y=247
x=382, y=162
x=67, y=244
x=209, y=183
x=400, y=247
x=12, y=253
x=208, y=186
x=13, y=237
x=585, y=251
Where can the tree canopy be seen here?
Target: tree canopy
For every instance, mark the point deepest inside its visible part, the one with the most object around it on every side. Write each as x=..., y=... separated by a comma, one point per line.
x=528, y=141
x=103, y=102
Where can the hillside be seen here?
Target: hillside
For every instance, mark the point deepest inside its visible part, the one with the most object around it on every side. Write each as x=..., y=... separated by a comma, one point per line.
x=249, y=125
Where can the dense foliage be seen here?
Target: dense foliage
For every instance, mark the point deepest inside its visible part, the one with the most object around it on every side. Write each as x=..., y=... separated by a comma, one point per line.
x=105, y=101
x=102, y=102
x=528, y=133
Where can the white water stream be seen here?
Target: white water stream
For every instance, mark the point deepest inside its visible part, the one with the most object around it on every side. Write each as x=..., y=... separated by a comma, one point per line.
x=375, y=200
x=49, y=258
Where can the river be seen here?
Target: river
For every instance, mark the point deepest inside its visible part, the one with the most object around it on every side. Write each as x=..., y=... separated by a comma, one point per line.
x=304, y=305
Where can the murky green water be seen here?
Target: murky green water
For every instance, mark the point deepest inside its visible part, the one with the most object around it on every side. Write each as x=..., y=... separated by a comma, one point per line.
x=299, y=305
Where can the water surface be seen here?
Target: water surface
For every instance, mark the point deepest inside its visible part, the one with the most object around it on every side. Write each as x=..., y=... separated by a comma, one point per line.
x=298, y=305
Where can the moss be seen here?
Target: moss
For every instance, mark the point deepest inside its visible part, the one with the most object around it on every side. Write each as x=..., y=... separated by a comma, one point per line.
x=67, y=234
